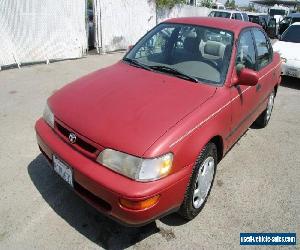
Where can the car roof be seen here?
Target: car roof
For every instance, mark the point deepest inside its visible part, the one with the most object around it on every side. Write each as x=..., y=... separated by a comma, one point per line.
x=228, y=11
x=257, y=14
x=234, y=26
x=294, y=15
x=295, y=23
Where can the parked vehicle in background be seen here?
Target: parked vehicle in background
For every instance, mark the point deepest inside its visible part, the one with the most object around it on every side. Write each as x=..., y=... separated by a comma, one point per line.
x=266, y=16
x=231, y=14
x=289, y=49
x=218, y=6
x=279, y=12
x=142, y=138
x=287, y=21
x=259, y=18
x=272, y=28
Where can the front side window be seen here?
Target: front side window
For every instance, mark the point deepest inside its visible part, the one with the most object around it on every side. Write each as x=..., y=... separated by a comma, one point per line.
x=254, y=19
x=263, y=47
x=201, y=53
x=246, y=51
x=292, y=34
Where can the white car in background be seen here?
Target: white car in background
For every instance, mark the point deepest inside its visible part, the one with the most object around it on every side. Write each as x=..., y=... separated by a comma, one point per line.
x=231, y=14
x=289, y=49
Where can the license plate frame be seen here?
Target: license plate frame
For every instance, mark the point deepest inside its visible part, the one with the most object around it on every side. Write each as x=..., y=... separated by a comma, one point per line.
x=63, y=170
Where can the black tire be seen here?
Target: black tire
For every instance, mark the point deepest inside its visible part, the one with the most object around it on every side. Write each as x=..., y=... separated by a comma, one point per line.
x=264, y=118
x=187, y=209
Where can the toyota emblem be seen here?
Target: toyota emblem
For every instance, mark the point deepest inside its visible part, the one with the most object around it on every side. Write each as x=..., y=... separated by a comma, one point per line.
x=72, y=138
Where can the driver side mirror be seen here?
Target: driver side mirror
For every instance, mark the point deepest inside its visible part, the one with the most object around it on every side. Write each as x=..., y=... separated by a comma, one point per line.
x=247, y=77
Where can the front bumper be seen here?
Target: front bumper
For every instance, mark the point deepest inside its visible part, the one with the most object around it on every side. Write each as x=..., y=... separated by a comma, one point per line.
x=103, y=188
x=291, y=68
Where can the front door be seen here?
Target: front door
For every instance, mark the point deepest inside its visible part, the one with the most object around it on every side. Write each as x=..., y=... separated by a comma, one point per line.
x=243, y=98
x=265, y=67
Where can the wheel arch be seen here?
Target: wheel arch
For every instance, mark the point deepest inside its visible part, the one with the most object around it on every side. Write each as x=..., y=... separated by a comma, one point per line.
x=218, y=141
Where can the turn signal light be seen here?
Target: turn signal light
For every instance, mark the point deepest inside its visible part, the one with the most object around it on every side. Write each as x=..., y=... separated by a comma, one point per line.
x=139, y=205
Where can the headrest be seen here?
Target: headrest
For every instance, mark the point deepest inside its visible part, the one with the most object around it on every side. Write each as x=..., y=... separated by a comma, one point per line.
x=191, y=44
x=212, y=48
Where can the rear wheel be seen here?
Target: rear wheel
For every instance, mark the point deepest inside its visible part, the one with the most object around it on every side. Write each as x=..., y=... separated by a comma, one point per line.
x=263, y=120
x=200, y=183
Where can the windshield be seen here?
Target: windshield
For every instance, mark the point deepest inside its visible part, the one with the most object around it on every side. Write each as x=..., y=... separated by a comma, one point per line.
x=292, y=34
x=195, y=52
x=219, y=14
x=295, y=19
x=279, y=12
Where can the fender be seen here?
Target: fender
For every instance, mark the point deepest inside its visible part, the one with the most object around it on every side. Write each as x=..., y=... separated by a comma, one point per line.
x=186, y=140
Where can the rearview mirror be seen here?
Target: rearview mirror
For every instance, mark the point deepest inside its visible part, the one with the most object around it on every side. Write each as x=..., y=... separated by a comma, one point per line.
x=247, y=77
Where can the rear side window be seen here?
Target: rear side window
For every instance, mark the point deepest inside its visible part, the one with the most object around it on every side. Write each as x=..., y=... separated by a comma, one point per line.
x=295, y=19
x=219, y=14
x=263, y=47
x=238, y=16
x=245, y=17
x=246, y=51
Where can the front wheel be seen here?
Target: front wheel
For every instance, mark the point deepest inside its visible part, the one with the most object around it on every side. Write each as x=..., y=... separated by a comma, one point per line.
x=200, y=183
x=263, y=120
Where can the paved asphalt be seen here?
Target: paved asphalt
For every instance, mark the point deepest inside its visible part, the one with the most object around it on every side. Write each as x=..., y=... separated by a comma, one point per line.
x=257, y=186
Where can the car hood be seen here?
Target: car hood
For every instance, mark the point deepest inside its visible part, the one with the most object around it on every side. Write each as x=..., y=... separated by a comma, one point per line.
x=288, y=50
x=127, y=108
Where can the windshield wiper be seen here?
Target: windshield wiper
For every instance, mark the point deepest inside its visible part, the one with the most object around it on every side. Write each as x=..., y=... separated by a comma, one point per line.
x=174, y=72
x=136, y=63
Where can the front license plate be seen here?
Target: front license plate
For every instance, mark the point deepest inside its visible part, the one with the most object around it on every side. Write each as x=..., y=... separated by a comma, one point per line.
x=63, y=170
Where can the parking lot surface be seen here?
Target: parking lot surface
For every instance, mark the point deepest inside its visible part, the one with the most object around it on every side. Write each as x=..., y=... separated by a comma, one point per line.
x=257, y=186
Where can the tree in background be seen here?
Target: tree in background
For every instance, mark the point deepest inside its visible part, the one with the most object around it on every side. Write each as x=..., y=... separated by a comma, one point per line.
x=227, y=4
x=230, y=4
x=168, y=3
x=90, y=4
x=251, y=8
x=207, y=3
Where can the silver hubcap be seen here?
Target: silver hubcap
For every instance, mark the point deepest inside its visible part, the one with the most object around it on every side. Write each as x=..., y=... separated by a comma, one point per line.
x=270, y=106
x=204, y=181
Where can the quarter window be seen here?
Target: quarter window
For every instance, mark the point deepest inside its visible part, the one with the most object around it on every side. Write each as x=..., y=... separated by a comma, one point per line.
x=246, y=51
x=263, y=47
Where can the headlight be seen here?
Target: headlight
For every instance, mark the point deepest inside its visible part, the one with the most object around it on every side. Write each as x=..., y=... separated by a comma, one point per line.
x=134, y=167
x=48, y=116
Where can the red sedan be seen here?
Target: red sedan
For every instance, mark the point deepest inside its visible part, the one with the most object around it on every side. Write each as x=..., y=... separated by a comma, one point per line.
x=142, y=138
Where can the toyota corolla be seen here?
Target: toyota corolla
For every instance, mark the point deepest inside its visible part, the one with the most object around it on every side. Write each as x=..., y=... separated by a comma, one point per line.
x=142, y=138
